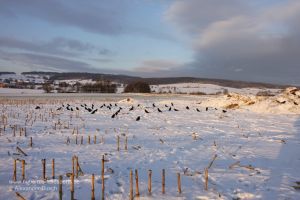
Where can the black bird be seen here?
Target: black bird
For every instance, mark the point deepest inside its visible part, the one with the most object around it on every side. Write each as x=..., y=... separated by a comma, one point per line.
x=102, y=106
x=138, y=118
x=63, y=105
x=59, y=108
x=197, y=110
x=110, y=105
x=166, y=105
x=77, y=108
x=92, y=106
x=187, y=108
x=68, y=108
x=82, y=105
x=138, y=105
x=153, y=105
x=146, y=111
x=224, y=111
x=176, y=109
x=116, y=104
x=113, y=116
x=131, y=108
x=170, y=109
x=89, y=109
x=94, y=111
x=71, y=109
x=172, y=104
x=206, y=108
x=37, y=107
x=159, y=110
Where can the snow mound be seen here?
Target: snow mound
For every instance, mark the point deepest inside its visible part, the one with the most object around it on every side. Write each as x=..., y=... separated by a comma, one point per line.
x=286, y=102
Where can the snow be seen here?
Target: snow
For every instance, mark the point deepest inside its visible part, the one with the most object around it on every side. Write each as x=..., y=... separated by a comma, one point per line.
x=210, y=89
x=10, y=91
x=266, y=144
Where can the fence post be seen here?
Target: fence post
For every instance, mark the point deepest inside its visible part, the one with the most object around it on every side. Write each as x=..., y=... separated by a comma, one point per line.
x=60, y=187
x=149, y=181
x=163, y=181
x=93, y=187
x=179, y=183
x=131, y=185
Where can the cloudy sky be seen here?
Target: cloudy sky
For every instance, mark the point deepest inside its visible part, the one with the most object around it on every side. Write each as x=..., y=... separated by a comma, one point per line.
x=257, y=40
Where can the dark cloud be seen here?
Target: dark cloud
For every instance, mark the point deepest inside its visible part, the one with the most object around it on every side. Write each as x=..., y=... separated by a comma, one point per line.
x=45, y=62
x=240, y=42
x=56, y=46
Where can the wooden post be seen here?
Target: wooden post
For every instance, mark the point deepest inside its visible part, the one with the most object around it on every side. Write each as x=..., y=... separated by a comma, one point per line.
x=163, y=183
x=179, y=183
x=81, y=142
x=44, y=168
x=76, y=140
x=102, y=177
x=53, y=168
x=89, y=139
x=95, y=139
x=23, y=170
x=30, y=144
x=77, y=166
x=118, y=143
x=149, y=181
x=93, y=187
x=25, y=133
x=137, y=191
x=131, y=185
x=60, y=187
x=72, y=187
x=206, y=179
x=126, y=143
x=15, y=170
x=73, y=165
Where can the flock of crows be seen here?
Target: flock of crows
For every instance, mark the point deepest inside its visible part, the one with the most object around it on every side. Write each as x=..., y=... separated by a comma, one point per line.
x=92, y=109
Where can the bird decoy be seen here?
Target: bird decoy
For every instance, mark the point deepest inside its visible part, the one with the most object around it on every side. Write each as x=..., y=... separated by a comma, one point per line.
x=94, y=111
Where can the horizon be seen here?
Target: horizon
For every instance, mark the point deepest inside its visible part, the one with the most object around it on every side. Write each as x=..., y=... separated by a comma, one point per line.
x=253, y=41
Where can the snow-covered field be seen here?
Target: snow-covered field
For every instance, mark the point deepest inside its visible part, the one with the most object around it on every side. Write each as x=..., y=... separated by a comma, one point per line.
x=257, y=153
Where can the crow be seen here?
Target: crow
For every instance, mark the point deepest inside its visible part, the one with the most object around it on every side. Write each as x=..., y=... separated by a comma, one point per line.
x=94, y=111
x=68, y=108
x=116, y=104
x=138, y=118
x=159, y=110
x=37, y=107
x=59, y=108
x=153, y=105
x=172, y=104
x=113, y=116
x=224, y=111
x=146, y=111
x=82, y=105
x=197, y=110
x=138, y=105
x=71, y=109
x=77, y=108
x=102, y=106
x=131, y=108
x=166, y=105
x=170, y=109
x=89, y=109
x=176, y=109
x=187, y=108
x=206, y=108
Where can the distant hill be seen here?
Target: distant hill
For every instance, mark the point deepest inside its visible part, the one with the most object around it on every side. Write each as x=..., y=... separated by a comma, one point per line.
x=2, y=73
x=154, y=81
